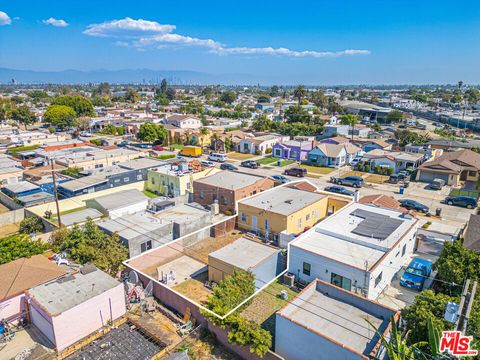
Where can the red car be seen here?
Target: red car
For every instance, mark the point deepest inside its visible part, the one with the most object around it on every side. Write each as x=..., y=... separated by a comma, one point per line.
x=159, y=148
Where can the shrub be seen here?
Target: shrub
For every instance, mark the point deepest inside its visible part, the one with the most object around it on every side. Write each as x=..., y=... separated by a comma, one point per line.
x=19, y=245
x=360, y=167
x=31, y=224
x=376, y=169
x=367, y=168
x=389, y=171
x=258, y=152
x=268, y=151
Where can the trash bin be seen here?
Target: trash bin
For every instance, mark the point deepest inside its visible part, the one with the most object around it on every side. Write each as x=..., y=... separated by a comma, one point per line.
x=402, y=190
x=406, y=184
x=278, y=162
x=438, y=211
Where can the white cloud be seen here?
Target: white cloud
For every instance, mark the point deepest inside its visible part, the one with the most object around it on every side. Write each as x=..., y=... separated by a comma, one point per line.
x=127, y=28
x=55, y=22
x=143, y=34
x=4, y=19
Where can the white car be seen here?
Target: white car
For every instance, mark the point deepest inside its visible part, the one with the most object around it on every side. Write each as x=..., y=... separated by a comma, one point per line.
x=355, y=161
x=207, y=163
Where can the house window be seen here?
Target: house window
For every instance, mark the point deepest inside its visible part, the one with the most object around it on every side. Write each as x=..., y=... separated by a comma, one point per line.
x=153, y=181
x=243, y=217
x=202, y=195
x=306, y=268
x=307, y=217
x=278, y=152
x=404, y=249
x=116, y=180
x=299, y=225
x=126, y=179
x=378, y=279
x=340, y=281
x=472, y=173
x=147, y=245
x=139, y=177
x=225, y=200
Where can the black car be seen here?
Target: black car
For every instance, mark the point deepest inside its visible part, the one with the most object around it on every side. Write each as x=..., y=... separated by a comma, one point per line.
x=355, y=181
x=227, y=166
x=413, y=205
x=250, y=164
x=299, y=172
x=339, y=190
x=465, y=201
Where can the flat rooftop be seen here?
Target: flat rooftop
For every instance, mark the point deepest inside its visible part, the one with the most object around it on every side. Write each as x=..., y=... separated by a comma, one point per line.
x=70, y=290
x=356, y=234
x=80, y=216
x=283, y=200
x=338, y=315
x=141, y=163
x=120, y=199
x=229, y=180
x=181, y=213
x=83, y=182
x=243, y=253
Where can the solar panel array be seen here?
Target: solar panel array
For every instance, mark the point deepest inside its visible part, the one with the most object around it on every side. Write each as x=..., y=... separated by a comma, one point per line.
x=375, y=225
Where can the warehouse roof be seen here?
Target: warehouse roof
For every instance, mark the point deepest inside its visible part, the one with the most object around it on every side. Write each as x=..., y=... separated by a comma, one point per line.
x=243, y=253
x=283, y=200
x=120, y=199
x=65, y=293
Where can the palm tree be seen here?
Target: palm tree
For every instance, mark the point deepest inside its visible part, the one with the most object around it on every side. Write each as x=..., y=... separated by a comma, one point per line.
x=351, y=120
x=299, y=93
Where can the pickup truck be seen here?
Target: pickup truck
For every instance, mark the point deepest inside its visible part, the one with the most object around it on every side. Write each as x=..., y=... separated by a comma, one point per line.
x=355, y=181
x=416, y=273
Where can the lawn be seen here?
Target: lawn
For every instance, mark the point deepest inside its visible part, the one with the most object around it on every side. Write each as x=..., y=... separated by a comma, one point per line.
x=461, y=192
x=22, y=148
x=263, y=307
x=175, y=146
x=376, y=179
x=266, y=160
x=72, y=210
x=150, y=194
x=239, y=156
x=317, y=169
x=286, y=162
x=353, y=173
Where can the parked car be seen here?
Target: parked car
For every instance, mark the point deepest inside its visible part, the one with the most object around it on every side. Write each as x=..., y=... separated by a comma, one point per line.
x=355, y=161
x=217, y=157
x=413, y=205
x=299, y=172
x=464, y=201
x=416, y=273
x=250, y=164
x=339, y=190
x=355, y=181
x=207, y=163
x=227, y=166
x=396, y=178
x=437, y=184
x=280, y=178
x=159, y=148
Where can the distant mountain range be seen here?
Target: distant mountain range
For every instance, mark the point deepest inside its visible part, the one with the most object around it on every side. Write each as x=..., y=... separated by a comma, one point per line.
x=135, y=76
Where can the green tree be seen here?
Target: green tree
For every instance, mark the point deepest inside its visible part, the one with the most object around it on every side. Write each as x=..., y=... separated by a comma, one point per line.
x=19, y=245
x=151, y=132
x=170, y=93
x=207, y=92
x=7, y=107
x=319, y=99
x=394, y=116
x=472, y=95
x=163, y=86
x=60, y=115
x=88, y=244
x=274, y=91
x=262, y=123
x=298, y=114
x=81, y=105
x=30, y=224
x=132, y=96
x=263, y=99
x=228, y=97
x=102, y=90
x=351, y=120
x=299, y=93
x=72, y=171
x=121, y=130
x=405, y=137
x=38, y=95
x=23, y=115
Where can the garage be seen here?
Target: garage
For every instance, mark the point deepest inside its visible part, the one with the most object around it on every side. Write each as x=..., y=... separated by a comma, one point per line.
x=42, y=324
x=428, y=176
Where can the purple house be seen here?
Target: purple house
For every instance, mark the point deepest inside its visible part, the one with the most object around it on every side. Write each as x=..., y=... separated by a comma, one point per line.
x=292, y=150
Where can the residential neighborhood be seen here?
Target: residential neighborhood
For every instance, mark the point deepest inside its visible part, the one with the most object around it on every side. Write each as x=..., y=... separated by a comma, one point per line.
x=185, y=215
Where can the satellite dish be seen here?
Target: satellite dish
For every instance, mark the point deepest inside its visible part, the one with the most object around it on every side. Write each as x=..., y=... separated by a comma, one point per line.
x=148, y=289
x=133, y=277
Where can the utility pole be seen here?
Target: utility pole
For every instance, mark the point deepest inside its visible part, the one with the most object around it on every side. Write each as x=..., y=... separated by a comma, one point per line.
x=55, y=193
x=465, y=307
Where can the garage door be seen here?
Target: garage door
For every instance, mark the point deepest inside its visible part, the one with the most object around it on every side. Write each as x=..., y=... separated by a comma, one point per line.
x=428, y=176
x=42, y=324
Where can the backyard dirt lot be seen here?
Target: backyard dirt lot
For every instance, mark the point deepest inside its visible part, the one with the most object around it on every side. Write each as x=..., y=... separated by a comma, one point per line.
x=195, y=289
x=201, y=249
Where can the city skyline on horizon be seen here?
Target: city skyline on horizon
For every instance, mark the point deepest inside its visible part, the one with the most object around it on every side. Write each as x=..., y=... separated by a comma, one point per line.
x=326, y=45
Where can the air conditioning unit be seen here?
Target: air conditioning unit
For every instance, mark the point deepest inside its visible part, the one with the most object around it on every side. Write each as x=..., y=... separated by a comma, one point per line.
x=289, y=279
x=214, y=208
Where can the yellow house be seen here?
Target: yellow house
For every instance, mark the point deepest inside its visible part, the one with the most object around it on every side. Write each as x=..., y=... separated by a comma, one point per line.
x=174, y=179
x=284, y=212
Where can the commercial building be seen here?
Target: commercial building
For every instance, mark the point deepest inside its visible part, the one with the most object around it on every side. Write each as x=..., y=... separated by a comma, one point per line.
x=360, y=248
x=69, y=308
x=225, y=188
x=282, y=213
x=331, y=323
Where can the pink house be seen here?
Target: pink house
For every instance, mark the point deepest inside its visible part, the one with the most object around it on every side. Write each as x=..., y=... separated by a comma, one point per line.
x=69, y=308
x=18, y=276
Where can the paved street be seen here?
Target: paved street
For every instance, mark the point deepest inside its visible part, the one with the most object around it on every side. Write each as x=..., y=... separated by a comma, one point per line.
x=451, y=215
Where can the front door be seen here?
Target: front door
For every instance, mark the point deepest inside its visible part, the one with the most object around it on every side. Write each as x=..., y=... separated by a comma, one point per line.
x=254, y=223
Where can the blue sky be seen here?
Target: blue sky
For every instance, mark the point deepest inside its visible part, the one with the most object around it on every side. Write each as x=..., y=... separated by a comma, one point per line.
x=322, y=42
